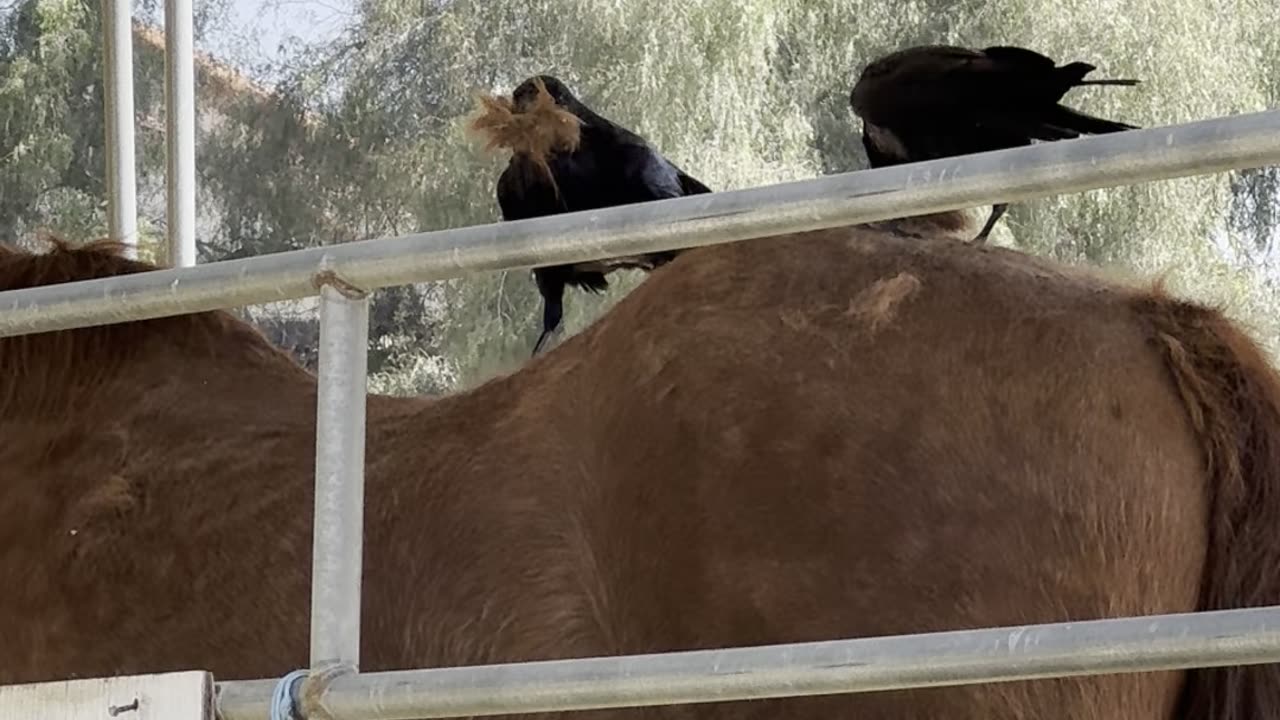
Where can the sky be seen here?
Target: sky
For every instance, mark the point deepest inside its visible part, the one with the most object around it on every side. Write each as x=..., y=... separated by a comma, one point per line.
x=274, y=23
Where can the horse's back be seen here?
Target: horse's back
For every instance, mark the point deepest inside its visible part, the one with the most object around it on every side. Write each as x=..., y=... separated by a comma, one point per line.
x=892, y=437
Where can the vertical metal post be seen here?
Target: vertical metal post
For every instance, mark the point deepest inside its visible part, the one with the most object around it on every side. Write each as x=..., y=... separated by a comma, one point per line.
x=339, y=499
x=122, y=206
x=180, y=131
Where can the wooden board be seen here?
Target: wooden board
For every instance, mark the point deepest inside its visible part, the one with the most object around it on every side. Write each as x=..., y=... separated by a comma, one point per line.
x=170, y=696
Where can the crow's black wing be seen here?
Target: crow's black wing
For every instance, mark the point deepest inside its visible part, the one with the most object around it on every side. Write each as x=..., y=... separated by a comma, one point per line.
x=690, y=184
x=524, y=191
x=952, y=85
x=1014, y=56
x=918, y=83
x=646, y=175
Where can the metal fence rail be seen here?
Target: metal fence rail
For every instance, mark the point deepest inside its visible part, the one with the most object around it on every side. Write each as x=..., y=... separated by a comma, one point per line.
x=338, y=528
x=1240, y=141
x=1166, y=642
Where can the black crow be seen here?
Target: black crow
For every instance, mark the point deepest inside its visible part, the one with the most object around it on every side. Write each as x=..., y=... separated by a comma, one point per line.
x=936, y=101
x=603, y=166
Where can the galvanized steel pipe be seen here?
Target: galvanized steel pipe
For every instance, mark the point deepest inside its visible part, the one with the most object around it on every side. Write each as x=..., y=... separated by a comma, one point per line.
x=1240, y=141
x=117, y=71
x=180, y=132
x=1166, y=642
x=338, y=524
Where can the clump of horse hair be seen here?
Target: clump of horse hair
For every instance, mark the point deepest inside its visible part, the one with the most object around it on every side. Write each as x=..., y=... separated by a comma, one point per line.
x=536, y=133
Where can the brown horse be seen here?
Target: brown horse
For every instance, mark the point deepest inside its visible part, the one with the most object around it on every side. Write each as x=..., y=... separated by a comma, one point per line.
x=837, y=434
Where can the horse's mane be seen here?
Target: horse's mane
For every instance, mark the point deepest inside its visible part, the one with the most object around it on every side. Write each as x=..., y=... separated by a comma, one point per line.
x=79, y=357
x=64, y=262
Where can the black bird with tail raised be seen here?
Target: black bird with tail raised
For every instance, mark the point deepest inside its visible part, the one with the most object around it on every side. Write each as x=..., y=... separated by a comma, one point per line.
x=935, y=101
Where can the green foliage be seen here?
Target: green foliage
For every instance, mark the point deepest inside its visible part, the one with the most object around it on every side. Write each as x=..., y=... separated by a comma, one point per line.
x=743, y=94
x=52, y=149
x=50, y=165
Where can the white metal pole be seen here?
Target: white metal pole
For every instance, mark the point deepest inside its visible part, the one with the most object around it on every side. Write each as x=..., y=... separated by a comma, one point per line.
x=122, y=190
x=1002, y=654
x=182, y=695
x=180, y=131
x=338, y=533
x=1239, y=141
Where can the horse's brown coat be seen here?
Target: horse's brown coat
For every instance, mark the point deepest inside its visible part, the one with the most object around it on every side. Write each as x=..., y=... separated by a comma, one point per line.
x=839, y=434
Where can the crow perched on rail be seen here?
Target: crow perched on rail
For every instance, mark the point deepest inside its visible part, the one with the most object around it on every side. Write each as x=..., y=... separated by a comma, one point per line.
x=568, y=163
x=936, y=101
